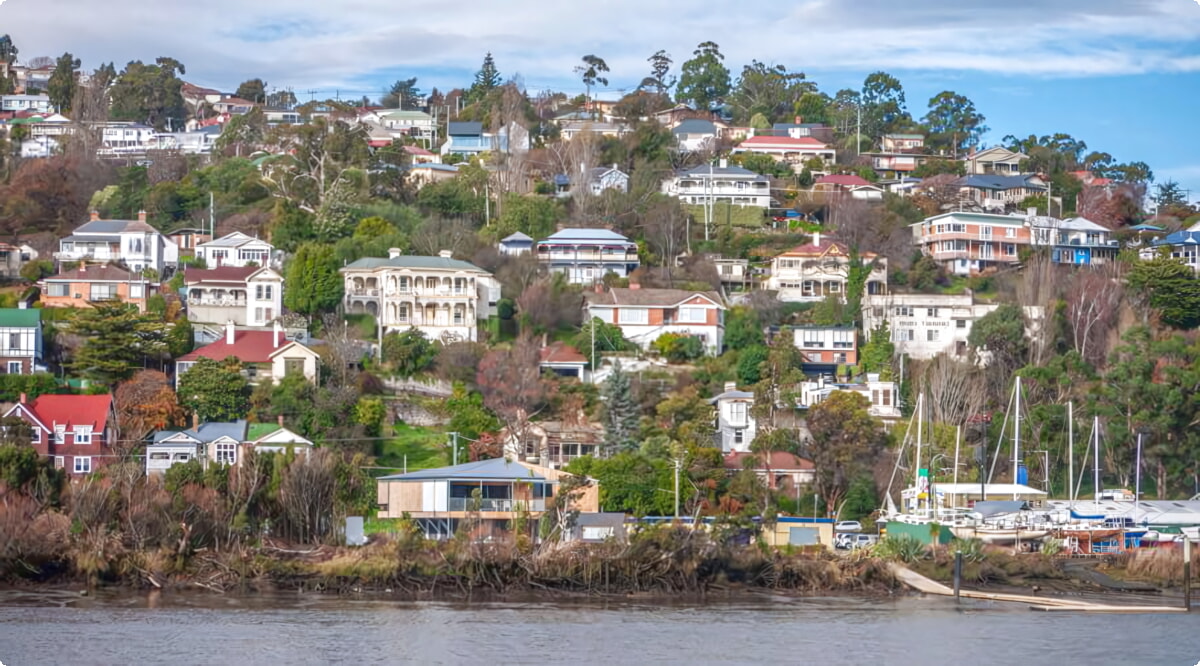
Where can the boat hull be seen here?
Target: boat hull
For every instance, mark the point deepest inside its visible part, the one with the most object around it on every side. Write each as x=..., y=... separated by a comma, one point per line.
x=999, y=536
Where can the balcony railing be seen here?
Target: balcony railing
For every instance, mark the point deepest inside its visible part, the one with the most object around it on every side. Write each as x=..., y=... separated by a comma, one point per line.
x=494, y=505
x=614, y=257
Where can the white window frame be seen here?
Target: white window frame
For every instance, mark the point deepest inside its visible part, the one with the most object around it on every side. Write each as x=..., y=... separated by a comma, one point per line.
x=83, y=434
x=739, y=436
x=738, y=412
x=60, y=434
x=692, y=315
x=931, y=335
x=85, y=468
x=137, y=291
x=60, y=462
x=14, y=368
x=627, y=316
x=225, y=453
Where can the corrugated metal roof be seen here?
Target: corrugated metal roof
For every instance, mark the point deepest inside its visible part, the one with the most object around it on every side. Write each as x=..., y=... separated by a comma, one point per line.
x=496, y=469
x=408, y=261
x=587, y=234
x=20, y=318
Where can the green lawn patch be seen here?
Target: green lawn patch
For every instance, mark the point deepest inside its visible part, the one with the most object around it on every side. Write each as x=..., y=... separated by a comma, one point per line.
x=424, y=448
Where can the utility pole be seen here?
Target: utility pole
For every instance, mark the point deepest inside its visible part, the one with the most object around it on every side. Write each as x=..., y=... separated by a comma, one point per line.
x=678, y=466
x=858, y=130
x=454, y=440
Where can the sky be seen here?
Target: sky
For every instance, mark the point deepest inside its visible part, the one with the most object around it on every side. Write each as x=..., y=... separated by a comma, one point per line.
x=1122, y=75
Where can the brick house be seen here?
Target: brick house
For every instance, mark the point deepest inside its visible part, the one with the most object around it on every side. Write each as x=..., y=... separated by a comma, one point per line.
x=80, y=287
x=77, y=430
x=644, y=315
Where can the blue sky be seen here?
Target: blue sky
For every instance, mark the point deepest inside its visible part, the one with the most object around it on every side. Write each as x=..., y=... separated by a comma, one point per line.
x=1122, y=75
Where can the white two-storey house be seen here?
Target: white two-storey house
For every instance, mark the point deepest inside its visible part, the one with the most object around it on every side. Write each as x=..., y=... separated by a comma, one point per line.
x=248, y=296
x=735, y=426
x=236, y=249
x=133, y=243
x=819, y=269
x=719, y=184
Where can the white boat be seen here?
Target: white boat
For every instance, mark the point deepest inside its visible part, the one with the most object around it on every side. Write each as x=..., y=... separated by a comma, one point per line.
x=999, y=536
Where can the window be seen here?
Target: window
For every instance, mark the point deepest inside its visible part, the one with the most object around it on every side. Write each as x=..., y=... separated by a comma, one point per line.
x=843, y=339
x=60, y=434
x=83, y=434
x=293, y=366
x=137, y=291
x=160, y=455
x=903, y=335
x=904, y=311
x=931, y=335
x=61, y=290
x=226, y=453
x=693, y=315
x=405, y=284
x=83, y=465
x=1010, y=232
x=960, y=323
x=103, y=292
x=737, y=413
x=877, y=312
x=739, y=436
x=985, y=231
x=631, y=316
x=59, y=462
x=263, y=292
x=14, y=367
x=14, y=340
x=403, y=314
x=931, y=312
x=458, y=317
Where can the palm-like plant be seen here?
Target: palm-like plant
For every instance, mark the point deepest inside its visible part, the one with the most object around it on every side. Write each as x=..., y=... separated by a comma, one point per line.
x=592, y=72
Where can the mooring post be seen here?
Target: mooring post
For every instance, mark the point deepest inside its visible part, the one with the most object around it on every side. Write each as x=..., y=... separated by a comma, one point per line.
x=1187, y=574
x=958, y=574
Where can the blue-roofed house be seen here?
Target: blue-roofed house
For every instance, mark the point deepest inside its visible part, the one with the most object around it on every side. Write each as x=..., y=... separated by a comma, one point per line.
x=1183, y=245
x=492, y=493
x=213, y=443
x=440, y=296
x=516, y=243
x=585, y=256
x=994, y=192
x=695, y=134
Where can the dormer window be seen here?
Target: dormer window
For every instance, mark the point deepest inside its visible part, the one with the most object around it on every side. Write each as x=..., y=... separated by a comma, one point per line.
x=60, y=434
x=83, y=434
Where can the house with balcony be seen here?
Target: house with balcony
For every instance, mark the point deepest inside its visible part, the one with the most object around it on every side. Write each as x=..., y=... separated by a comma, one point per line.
x=35, y=103
x=441, y=297
x=401, y=123
x=996, y=160
x=902, y=143
x=82, y=286
x=998, y=193
x=236, y=249
x=819, y=269
x=1076, y=241
x=248, y=296
x=970, y=243
x=21, y=341
x=798, y=129
x=794, y=151
x=492, y=493
x=572, y=129
x=264, y=355
x=734, y=274
x=924, y=325
x=883, y=395
x=467, y=139
x=719, y=184
x=554, y=444
x=824, y=348
x=735, y=428
x=75, y=431
x=645, y=315
x=234, y=106
x=585, y=256
x=133, y=243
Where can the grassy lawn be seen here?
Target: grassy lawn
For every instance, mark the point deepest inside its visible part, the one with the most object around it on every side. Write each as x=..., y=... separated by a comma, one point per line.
x=424, y=448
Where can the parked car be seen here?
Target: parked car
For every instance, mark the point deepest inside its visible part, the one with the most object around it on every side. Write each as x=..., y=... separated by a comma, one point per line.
x=857, y=541
x=848, y=526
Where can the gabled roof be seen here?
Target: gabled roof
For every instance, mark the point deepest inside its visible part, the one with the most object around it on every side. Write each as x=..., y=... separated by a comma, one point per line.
x=843, y=179
x=561, y=352
x=103, y=273
x=68, y=410
x=274, y=434
x=232, y=240
x=1069, y=224
x=825, y=248
x=996, y=153
x=1178, y=238
x=516, y=237
x=731, y=395
x=495, y=469
x=248, y=347
x=781, y=142
x=695, y=126
x=231, y=274
x=779, y=461
x=650, y=297
x=20, y=317
x=206, y=432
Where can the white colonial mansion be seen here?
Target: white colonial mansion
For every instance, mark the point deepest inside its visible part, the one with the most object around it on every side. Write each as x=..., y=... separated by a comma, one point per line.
x=444, y=298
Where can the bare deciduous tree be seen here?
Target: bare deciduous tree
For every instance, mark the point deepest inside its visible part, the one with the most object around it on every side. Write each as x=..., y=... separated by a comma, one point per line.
x=512, y=385
x=953, y=388
x=1093, y=301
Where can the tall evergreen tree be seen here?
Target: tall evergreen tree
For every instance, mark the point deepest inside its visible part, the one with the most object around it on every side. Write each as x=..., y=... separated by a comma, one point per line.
x=314, y=284
x=117, y=340
x=487, y=79
x=620, y=412
x=62, y=84
x=704, y=80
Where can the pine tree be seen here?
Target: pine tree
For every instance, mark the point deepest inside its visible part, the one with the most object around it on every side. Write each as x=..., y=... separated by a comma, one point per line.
x=62, y=84
x=313, y=282
x=620, y=412
x=487, y=79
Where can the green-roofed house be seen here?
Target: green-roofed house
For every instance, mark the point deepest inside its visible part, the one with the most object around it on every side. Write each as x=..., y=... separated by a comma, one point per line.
x=440, y=296
x=21, y=341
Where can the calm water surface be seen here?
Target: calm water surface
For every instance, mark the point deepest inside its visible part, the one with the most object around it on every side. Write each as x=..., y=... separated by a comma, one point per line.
x=53, y=628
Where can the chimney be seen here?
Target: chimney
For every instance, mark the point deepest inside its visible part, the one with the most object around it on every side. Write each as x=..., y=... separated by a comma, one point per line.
x=94, y=216
x=230, y=333
x=633, y=286
x=141, y=216
x=730, y=386
x=724, y=163
x=599, y=288
x=277, y=335
x=1031, y=211
x=83, y=266
x=445, y=254
x=615, y=167
x=281, y=420
x=394, y=253
x=24, y=398
x=195, y=420
x=582, y=169
x=817, y=239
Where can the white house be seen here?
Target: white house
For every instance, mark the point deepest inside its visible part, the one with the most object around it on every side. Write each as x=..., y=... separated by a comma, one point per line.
x=644, y=315
x=607, y=178
x=36, y=103
x=719, y=184
x=236, y=249
x=118, y=137
x=735, y=426
x=132, y=242
x=1076, y=241
x=585, y=256
x=794, y=151
x=247, y=296
x=821, y=268
x=884, y=395
x=925, y=325
x=442, y=297
x=212, y=443
x=695, y=135
x=515, y=244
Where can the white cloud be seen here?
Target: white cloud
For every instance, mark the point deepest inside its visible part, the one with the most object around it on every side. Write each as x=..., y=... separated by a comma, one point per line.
x=351, y=44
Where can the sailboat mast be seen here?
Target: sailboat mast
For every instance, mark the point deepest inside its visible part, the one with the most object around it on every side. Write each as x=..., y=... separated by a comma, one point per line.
x=1071, y=454
x=917, y=467
x=957, y=442
x=1096, y=462
x=1017, y=441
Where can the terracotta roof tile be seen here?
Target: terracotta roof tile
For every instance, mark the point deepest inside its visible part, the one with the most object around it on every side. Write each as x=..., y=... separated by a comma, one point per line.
x=248, y=347
x=560, y=352
x=72, y=410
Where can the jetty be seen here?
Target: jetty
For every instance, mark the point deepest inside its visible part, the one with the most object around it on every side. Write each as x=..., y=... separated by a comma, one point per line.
x=925, y=585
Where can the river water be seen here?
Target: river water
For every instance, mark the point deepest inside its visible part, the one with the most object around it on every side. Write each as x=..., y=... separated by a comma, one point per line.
x=64, y=628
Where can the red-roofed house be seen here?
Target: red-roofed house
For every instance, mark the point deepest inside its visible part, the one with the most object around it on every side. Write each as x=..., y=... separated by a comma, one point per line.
x=792, y=150
x=265, y=355
x=1090, y=179
x=813, y=271
x=564, y=360
x=854, y=185
x=782, y=470
x=77, y=430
